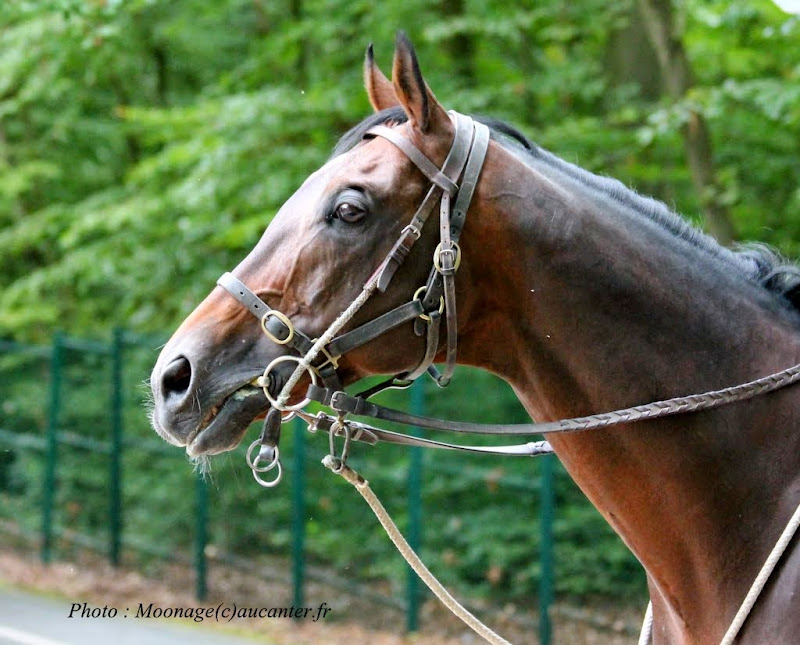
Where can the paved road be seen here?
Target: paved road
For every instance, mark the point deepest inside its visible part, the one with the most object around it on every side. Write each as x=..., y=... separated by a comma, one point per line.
x=29, y=619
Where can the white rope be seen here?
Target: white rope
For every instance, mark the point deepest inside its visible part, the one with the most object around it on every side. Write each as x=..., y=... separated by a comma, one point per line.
x=305, y=362
x=752, y=595
x=647, y=625
x=362, y=486
x=761, y=579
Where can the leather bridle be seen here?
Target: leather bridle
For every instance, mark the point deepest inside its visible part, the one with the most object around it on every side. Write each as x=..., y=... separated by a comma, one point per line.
x=319, y=357
x=432, y=301
x=466, y=156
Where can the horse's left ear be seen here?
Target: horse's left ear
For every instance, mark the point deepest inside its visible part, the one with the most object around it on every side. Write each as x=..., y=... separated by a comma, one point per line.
x=423, y=110
x=379, y=88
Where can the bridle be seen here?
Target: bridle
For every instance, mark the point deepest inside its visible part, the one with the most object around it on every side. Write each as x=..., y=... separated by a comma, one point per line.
x=431, y=300
x=428, y=305
x=436, y=299
x=319, y=357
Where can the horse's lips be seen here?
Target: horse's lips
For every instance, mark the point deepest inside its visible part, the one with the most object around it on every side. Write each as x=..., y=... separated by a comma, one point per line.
x=229, y=425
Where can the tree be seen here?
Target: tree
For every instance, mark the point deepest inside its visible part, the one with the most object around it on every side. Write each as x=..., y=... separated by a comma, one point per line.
x=661, y=27
x=128, y=130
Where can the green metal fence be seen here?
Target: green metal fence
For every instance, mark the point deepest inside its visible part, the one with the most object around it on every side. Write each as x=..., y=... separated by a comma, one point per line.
x=46, y=431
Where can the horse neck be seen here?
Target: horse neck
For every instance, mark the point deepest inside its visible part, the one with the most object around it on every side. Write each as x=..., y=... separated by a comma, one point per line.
x=588, y=310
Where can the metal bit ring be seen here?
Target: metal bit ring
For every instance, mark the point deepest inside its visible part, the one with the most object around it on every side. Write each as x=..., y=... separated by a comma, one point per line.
x=253, y=463
x=265, y=379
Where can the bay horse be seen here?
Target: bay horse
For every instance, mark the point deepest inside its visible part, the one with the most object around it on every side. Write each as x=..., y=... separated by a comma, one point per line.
x=581, y=294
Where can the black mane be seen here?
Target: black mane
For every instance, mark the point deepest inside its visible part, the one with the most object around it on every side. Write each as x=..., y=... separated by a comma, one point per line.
x=756, y=262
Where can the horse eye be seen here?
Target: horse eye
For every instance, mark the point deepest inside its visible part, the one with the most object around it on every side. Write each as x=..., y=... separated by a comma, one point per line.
x=349, y=213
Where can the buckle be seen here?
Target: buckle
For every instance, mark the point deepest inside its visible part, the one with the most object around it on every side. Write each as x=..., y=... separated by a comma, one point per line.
x=418, y=296
x=284, y=319
x=330, y=359
x=342, y=402
x=410, y=228
x=454, y=252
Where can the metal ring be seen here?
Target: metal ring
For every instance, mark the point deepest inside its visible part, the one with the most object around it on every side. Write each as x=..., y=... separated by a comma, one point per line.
x=273, y=402
x=418, y=296
x=343, y=427
x=253, y=463
x=437, y=253
x=284, y=319
x=269, y=483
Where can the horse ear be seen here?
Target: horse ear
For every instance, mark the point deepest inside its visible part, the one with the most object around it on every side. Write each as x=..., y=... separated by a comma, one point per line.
x=423, y=110
x=379, y=88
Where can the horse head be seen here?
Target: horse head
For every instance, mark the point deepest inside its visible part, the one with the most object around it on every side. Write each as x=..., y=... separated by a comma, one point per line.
x=334, y=235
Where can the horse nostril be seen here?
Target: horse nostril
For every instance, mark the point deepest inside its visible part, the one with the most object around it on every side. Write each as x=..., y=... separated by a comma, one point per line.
x=177, y=376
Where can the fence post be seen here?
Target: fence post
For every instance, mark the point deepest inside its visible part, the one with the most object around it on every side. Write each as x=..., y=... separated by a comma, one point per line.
x=546, y=556
x=414, y=510
x=200, y=536
x=48, y=494
x=115, y=458
x=298, y=516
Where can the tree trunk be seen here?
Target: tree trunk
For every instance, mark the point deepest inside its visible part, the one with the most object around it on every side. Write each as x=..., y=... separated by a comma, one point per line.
x=659, y=23
x=630, y=57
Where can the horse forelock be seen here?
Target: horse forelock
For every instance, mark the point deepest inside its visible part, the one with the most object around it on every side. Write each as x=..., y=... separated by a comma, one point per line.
x=755, y=262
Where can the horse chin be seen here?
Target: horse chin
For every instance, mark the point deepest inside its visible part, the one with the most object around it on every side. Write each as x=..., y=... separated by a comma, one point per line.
x=227, y=423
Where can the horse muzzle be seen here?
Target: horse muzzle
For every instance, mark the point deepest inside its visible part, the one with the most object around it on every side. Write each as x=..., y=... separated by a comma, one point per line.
x=207, y=411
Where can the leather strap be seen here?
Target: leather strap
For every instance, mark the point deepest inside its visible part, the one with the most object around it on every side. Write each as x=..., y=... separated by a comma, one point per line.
x=301, y=342
x=444, y=183
x=374, y=328
x=451, y=226
x=457, y=159
x=428, y=168
x=276, y=328
x=272, y=321
x=469, y=182
x=343, y=402
x=431, y=347
x=365, y=433
x=247, y=298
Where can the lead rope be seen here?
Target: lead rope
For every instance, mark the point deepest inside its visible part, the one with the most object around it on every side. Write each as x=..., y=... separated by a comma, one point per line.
x=761, y=579
x=305, y=363
x=752, y=595
x=647, y=625
x=362, y=486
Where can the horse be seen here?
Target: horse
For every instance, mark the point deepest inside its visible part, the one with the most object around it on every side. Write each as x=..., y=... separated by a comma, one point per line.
x=580, y=293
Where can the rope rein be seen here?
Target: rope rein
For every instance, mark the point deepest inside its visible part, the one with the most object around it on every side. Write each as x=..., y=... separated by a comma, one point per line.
x=761, y=579
x=413, y=560
x=305, y=363
x=752, y=595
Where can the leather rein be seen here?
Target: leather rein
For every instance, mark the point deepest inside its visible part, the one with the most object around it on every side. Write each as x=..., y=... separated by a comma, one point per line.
x=429, y=304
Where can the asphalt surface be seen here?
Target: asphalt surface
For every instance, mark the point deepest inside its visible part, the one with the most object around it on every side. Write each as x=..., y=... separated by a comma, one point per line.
x=29, y=619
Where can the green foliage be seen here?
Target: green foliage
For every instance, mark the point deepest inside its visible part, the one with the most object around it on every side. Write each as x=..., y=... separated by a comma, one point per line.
x=146, y=144
x=140, y=139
